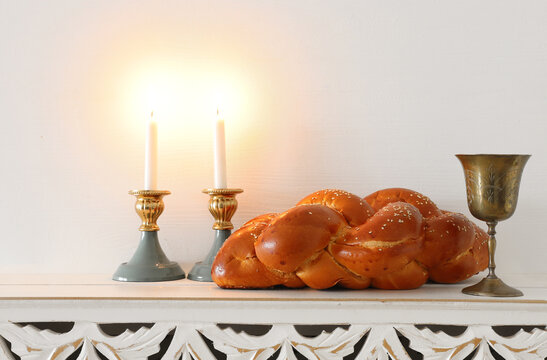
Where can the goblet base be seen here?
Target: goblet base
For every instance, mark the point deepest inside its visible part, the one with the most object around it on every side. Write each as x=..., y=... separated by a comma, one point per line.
x=492, y=286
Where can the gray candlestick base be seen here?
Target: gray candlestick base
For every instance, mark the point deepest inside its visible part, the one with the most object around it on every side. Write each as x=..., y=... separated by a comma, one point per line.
x=149, y=263
x=202, y=270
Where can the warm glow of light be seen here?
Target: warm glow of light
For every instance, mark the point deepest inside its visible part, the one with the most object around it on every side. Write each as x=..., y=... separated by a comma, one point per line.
x=185, y=98
x=221, y=97
x=159, y=93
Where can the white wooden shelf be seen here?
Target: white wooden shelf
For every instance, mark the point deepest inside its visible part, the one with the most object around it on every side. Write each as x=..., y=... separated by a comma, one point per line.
x=191, y=308
x=97, y=298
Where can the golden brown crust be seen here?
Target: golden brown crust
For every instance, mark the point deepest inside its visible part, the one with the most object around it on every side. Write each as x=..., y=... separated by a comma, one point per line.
x=296, y=235
x=412, y=276
x=386, y=243
x=381, y=198
x=480, y=249
x=352, y=207
x=236, y=264
x=324, y=272
x=392, y=239
x=446, y=236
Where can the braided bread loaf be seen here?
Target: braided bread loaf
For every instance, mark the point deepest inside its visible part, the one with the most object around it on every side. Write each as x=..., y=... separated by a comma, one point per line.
x=391, y=239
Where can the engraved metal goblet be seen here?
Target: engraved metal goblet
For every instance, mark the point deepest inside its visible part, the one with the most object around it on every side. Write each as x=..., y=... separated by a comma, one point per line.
x=492, y=183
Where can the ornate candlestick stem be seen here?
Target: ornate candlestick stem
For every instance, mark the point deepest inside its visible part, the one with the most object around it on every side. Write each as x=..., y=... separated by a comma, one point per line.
x=222, y=205
x=149, y=263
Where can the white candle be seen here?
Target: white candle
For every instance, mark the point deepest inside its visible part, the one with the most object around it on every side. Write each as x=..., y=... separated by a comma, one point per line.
x=151, y=155
x=220, y=154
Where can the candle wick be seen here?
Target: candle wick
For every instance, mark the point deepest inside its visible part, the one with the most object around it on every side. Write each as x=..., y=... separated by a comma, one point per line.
x=217, y=111
x=152, y=114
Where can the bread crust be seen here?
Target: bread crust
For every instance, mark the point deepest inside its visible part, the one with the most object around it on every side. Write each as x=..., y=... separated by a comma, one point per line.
x=392, y=239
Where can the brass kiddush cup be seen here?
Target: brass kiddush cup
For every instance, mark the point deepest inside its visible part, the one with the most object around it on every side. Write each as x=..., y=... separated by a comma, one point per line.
x=492, y=183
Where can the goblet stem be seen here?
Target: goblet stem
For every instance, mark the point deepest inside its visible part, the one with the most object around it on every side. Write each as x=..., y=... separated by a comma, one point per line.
x=491, y=248
x=491, y=285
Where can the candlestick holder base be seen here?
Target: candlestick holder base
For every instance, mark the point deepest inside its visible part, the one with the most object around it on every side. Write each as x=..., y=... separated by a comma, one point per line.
x=202, y=269
x=149, y=263
x=222, y=205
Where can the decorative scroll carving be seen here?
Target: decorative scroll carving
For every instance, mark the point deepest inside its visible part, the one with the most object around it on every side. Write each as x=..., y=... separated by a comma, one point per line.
x=437, y=346
x=32, y=344
x=383, y=343
x=285, y=338
x=377, y=342
x=187, y=344
x=4, y=351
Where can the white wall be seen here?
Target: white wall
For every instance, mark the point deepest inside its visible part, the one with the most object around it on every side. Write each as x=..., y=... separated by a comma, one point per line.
x=358, y=95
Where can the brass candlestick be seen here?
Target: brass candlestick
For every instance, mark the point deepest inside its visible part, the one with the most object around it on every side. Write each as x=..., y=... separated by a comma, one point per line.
x=149, y=263
x=492, y=183
x=222, y=205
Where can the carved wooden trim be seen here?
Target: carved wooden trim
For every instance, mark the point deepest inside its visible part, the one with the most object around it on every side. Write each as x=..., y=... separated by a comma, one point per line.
x=4, y=351
x=285, y=338
x=522, y=345
x=382, y=342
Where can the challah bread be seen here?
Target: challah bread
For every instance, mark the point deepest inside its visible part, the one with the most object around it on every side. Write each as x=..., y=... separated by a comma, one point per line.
x=239, y=260
x=391, y=239
x=388, y=241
